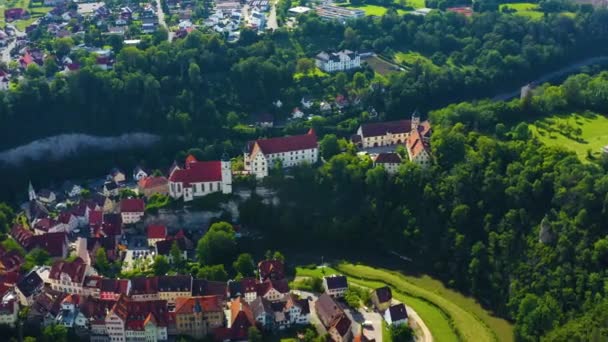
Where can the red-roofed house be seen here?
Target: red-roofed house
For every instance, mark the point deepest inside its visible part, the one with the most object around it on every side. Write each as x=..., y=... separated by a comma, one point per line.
x=131, y=210
x=417, y=144
x=10, y=261
x=389, y=160
x=196, y=316
x=200, y=178
x=112, y=289
x=56, y=244
x=289, y=151
x=241, y=319
x=138, y=321
x=149, y=186
x=69, y=277
x=156, y=233
x=271, y=269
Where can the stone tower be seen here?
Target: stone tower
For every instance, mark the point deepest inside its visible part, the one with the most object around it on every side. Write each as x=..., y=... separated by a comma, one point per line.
x=226, y=174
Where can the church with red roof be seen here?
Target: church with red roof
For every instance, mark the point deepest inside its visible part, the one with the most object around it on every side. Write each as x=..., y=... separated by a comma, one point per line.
x=200, y=178
x=262, y=154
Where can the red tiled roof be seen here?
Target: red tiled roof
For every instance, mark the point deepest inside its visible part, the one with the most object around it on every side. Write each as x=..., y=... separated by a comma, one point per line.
x=75, y=270
x=388, y=158
x=96, y=217
x=198, y=172
x=116, y=286
x=191, y=304
x=22, y=235
x=71, y=299
x=343, y=325
x=241, y=315
x=92, y=282
x=382, y=128
x=54, y=243
x=286, y=144
x=157, y=232
x=280, y=285
x=152, y=182
x=144, y=285
x=27, y=59
x=9, y=278
x=12, y=261
x=271, y=269
x=132, y=205
x=416, y=144
x=45, y=224
x=135, y=312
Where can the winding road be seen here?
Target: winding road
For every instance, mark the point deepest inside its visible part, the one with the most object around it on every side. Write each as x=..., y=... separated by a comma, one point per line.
x=555, y=74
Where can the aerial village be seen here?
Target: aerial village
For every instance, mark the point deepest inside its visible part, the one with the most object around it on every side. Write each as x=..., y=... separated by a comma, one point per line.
x=74, y=223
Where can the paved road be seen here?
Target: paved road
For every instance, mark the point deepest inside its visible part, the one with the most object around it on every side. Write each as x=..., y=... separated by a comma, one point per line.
x=161, y=19
x=272, y=17
x=6, y=51
x=415, y=321
x=555, y=74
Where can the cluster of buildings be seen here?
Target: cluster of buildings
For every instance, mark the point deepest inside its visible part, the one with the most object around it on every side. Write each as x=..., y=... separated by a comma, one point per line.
x=71, y=293
x=414, y=134
x=333, y=12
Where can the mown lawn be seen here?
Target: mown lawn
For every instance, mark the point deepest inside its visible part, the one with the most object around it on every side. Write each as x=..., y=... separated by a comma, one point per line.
x=316, y=72
x=527, y=9
x=437, y=322
x=469, y=319
x=410, y=58
x=554, y=131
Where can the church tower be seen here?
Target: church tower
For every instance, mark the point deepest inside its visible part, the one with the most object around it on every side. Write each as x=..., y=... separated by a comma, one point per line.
x=415, y=120
x=226, y=174
x=31, y=192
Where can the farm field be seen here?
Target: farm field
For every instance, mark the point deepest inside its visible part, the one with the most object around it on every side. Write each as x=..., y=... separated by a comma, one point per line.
x=554, y=131
x=527, y=9
x=449, y=315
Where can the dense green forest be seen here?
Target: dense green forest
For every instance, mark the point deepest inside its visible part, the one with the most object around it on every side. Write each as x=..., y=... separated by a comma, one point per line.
x=199, y=85
x=519, y=225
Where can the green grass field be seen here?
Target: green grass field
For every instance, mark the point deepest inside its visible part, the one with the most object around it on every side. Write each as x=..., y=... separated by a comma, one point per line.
x=527, y=9
x=552, y=131
x=315, y=73
x=411, y=58
x=448, y=314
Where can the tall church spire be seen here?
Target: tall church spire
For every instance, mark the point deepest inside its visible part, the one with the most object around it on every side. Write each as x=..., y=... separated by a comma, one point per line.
x=31, y=192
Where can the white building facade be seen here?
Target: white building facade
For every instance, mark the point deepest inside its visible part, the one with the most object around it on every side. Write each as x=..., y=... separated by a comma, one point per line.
x=289, y=151
x=198, y=179
x=338, y=61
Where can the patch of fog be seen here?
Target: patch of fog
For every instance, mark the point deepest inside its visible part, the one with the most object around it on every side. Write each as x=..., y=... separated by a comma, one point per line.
x=65, y=145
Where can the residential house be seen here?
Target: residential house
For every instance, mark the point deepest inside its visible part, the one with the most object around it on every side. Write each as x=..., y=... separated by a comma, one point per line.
x=288, y=151
x=144, y=289
x=390, y=161
x=338, y=61
x=56, y=244
x=132, y=210
x=130, y=320
x=68, y=312
x=272, y=269
x=28, y=287
x=45, y=307
x=296, y=113
x=241, y=319
x=139, y=174
x=172, y=287
x=273, y=290
x=200, y=178
x=47, y=196
x=249, y=289
x=325, y=106
x=68, y=276
x=396, y=314
x=203, y=287
x=111, y=188
x=94, y=312
x=10, y=261
x=198, y=316
x=262, y=313
x=112, y=289
x=334, y=319
x=9, y=311
x=156, y=233
x=164, y=247
x=68, y=220
x=264, y=120
x=382, y=297
x=47, y=225
x=91, y=286
x=116, y=175
x=149, y=186
x=281, y=314
x=335, y=285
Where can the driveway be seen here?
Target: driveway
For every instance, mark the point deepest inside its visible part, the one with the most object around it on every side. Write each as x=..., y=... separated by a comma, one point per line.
x=314, y=319
x=272, y=17
x=359, y=316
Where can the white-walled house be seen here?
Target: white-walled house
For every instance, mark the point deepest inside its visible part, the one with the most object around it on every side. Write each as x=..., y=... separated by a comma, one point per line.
x=390, y=161
x=391, y=132
x=200, y=178
x=396, y=315
x=289, y=151
x=335, y=285
x=132, y=210
x=338, y=61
